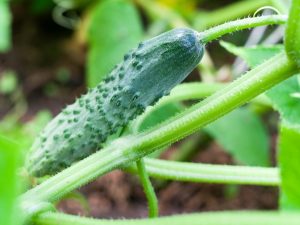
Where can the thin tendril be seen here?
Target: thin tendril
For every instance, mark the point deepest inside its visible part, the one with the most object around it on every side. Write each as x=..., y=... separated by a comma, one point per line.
x=267, y=7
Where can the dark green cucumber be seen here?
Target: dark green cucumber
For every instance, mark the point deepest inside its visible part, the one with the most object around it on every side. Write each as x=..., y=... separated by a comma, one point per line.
x=146, y=74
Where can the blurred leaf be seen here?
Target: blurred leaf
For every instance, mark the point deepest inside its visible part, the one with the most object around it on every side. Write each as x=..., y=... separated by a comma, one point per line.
x=9, y=186
x=5, y=20
x=253, y=55
x=157, y=11
x=160, y=115
x=243, y=135
x=8, y=82
x=234, y=10
x=63, y=75
x=289, y=161
x=39, y=7
x=231, y=191
x=115, y=28
x=284, y=99
x=156, y=27
x=51, y=89
x=183, y=7
x=189, y=147
x=11, y=128
x=33, y=127
x=24, y=133
x=72, y=4
x=154, y=118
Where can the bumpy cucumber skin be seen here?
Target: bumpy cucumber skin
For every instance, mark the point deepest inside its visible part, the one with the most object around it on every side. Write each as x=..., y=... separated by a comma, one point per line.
x=146, y=74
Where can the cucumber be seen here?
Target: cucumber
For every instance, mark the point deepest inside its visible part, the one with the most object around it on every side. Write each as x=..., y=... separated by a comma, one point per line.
x=146, y=74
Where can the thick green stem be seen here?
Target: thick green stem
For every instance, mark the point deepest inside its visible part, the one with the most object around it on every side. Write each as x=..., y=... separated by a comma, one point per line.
x=218, y=31
x=148, y=189
x=124, y=151
x=221, y=174
x=191, y=91
x=208, y=218
x=80, y=173
x=239, y=92
x=186, y=91
x=292, y=33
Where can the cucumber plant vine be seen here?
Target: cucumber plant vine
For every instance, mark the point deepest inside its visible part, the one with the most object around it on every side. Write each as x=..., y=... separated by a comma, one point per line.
x=36, y=203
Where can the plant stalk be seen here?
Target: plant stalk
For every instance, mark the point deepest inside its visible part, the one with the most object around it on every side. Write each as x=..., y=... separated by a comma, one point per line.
x=220, y=174
x=148, y=189
x=292, y=33
x=124, y=151
x=241, y=24
x=207, y=218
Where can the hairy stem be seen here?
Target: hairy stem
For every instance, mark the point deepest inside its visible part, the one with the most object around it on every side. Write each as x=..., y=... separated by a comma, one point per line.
x=292, y=33
x=187, y=91
x=148, y=189
x=124, y=151
x=208, y=218
x=226, y=28
x=199, y=172
x=191, y=91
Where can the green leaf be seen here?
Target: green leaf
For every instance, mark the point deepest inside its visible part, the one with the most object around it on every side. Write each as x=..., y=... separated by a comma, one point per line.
x=5, y=21
x=160, y=115
x=242, y=134
x=9, y=186
x=115, y=28
x=33, y=127
x=254, y=55
x=24, y=133
x=40, y=7
x=289, y=161
x=8, y=82
x=72, y=4
x=285, y=99
x=157, y=116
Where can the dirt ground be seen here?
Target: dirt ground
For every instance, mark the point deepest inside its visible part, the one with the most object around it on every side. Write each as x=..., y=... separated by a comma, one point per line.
x=42, y=51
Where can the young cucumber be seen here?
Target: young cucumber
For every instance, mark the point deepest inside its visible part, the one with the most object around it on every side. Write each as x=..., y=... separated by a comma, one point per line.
x=146, y=74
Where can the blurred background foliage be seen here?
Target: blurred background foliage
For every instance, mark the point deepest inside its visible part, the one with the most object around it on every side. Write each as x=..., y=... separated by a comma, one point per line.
x=52, y=51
